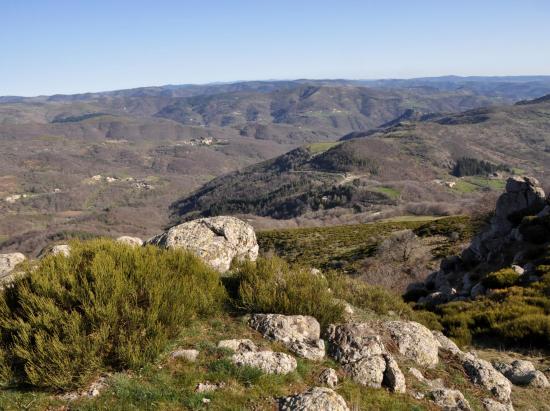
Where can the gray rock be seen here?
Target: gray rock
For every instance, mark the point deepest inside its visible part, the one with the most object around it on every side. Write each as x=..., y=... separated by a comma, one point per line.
x=328, y=377
x=368, y=371
x=188, y=355
x=481, y=372
x=218, y=240
x=238, y=345
x=414, y=341
x=437, y=383
x=393, y=377
x=207, y=386
x=133, y=241
x=447, y=344
x=314, y=399
x=449, y=400
x=299, y=333
x=521, y=372
x=268, y=361
x=61, y=249
x=8, y=262
x=492, y=405
x=353, y=341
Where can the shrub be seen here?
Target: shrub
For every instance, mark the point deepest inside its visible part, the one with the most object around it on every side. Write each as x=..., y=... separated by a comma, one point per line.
x=270, y=285
x=501, y=279
x=107, y=305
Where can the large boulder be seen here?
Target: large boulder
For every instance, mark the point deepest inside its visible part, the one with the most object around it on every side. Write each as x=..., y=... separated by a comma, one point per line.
x=351, y=342
x=8, y=262
x=299, y=333
x=268, y=361
x=521, y=372
x=218, y=240
x=314, y=399
x=368, y=371
x=133, y=241
x=481, y=372
x=414, y=341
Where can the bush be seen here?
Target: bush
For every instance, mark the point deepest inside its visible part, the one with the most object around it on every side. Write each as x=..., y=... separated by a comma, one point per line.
x=107, y=305
x=501, y=279
x=270, y=285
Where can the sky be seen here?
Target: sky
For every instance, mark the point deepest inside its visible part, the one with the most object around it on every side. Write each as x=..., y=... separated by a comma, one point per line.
x=70, y=46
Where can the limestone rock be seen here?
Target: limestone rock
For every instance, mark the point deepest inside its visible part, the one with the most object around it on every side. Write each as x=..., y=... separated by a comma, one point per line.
x=218, y=240
x=329, y=377
x=61, y=249
x=393, y=377
x=521, y=372
x=353, y=341
x=449, y=400
x=8, y=262
x=481, y=372
x=268, y=361
x=133, y=241
x=207, y=386
x=368, y=371
x=414, y=341
x=446, y=344
x=314, y=399
x=188, y=355
x=492, y=405
x=299, y=333
x=238, y=345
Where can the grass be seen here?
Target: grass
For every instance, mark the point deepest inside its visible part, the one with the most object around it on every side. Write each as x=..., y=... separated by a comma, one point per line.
x=391, y=193
x=321, y=147
x=472, y=184
x=349, y=244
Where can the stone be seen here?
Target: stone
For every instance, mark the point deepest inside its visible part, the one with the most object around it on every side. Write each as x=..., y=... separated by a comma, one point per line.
x=217, y=240
x=368, y=371
x=519, y=270
x=268, y=361
x=8, y=262
x=61, y=249
x=492, y=405
x=393, y=376
x=238, y=345
x=481, y=372
x=208, y=386
x=299, y=333
x=521, y=372
x=328, y=377
x=437, y=383
x=446, y=344
x=133, y=241
x=449, y=400
x=314, y=399
x=414, y=341
x=188, y=355
x=353, y=341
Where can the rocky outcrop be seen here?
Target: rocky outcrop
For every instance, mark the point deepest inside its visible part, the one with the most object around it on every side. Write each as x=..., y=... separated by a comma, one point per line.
x=8, y=262
x=299, y=333
x=238, y=345
x=499, y=245
x=351, y=342
x=314, y=399
x=446, y=344
x=481, y=372
x=492, y=405
x=218, y=240
x=521, y=372
x=133, y=241
x=328, y=377
x=368, y=371
x=414, y=341
x=268, y=361
x=449, y=400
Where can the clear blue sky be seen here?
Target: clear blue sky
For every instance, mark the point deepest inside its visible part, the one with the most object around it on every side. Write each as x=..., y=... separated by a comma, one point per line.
x=68, y=46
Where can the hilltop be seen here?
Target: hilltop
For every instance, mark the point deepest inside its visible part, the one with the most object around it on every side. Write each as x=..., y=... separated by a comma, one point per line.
x=436, y=165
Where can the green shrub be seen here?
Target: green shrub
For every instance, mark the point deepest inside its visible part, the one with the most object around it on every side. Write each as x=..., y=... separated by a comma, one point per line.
x=107, y=305
x=270, y=285
x=501, y=279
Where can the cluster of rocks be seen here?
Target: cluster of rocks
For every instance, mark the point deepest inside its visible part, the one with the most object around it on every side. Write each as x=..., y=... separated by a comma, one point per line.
x=217, y=240
x=500, y=245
